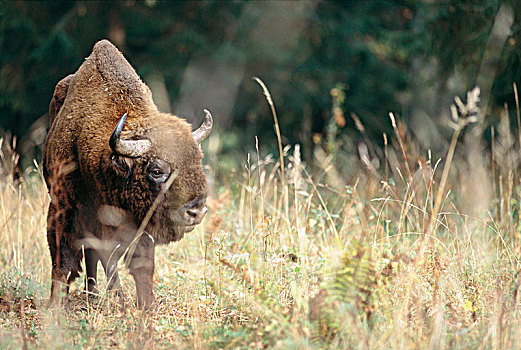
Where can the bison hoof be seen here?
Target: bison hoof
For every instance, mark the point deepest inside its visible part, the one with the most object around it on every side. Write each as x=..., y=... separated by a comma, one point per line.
x=57, y=304
x=148, y=304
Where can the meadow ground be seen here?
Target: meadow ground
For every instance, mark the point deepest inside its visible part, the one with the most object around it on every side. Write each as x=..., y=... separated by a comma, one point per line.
x=410, y=256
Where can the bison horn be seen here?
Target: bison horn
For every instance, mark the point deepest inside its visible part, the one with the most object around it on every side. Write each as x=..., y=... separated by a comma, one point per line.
x=204, y=130
x=128, y=148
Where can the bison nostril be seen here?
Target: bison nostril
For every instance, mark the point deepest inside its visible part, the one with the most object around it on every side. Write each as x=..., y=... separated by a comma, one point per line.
x=193, y=215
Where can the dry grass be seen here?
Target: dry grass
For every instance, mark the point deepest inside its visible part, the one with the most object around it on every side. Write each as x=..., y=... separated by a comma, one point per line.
x=300, y=261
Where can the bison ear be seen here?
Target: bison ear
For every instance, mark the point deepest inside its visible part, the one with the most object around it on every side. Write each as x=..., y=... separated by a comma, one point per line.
x=123, y=166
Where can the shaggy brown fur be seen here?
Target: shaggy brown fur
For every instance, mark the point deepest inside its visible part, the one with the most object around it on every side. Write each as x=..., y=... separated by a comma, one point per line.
x=99, y=197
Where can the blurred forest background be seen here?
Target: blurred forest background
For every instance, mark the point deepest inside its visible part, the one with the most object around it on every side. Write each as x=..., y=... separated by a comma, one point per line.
x=335, y=69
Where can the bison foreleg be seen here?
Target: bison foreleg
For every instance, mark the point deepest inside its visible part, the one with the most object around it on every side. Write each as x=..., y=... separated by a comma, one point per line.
x=141, y=267
x=91, y=267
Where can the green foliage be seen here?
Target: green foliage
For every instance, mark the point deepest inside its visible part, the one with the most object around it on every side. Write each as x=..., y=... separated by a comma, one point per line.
x=349, y=297
x=14, y=285
x=371, y=48
x=355, y=280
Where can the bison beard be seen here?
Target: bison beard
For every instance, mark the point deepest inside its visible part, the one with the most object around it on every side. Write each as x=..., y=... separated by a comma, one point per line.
x=122, y=176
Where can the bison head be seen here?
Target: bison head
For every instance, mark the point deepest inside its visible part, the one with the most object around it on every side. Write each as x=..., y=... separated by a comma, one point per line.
x=147, y=156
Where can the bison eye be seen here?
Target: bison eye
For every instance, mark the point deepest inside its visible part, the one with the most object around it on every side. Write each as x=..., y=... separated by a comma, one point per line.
x=157, y=175
x=158, y=171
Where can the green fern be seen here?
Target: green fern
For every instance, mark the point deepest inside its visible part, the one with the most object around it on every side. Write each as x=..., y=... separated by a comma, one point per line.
x=348, y=298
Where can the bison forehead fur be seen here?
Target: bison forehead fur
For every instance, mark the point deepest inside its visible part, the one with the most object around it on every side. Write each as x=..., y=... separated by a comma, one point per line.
x=101, y=194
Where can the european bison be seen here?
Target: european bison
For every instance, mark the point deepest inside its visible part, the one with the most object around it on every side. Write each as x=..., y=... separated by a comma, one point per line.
x=108, y=155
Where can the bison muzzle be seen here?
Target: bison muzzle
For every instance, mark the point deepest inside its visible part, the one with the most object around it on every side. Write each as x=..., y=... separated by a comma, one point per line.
x=122, y=176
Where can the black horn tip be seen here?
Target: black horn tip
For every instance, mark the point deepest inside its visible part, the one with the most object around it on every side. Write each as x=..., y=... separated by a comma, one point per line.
x=117, y=132
x=127, y=148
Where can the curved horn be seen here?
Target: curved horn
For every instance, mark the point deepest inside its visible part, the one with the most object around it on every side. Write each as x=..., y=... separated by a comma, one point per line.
x=204, y=130
x=128, y=148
